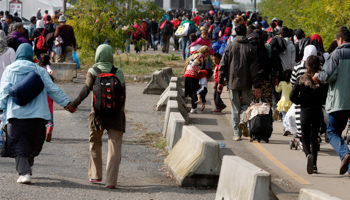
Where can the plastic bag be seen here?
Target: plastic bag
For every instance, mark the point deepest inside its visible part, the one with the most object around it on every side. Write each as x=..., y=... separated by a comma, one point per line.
x=289, y=121
x=182, y=30
x=76, y=59
x=57, y=49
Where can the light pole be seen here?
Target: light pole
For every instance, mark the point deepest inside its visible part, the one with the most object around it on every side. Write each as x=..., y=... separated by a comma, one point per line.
x=64, y=6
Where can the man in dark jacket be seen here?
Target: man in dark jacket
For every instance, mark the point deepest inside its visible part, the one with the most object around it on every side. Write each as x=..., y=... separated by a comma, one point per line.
x=154, y=36
x=239, y=65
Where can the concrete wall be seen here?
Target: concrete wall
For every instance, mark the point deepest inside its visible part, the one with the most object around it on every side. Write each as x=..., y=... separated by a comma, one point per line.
x=64, y=71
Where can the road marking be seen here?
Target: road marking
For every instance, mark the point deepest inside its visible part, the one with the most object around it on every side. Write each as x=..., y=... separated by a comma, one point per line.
x=284, y=168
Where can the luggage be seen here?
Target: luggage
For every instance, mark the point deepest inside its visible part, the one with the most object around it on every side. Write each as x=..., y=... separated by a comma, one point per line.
x=260, y=122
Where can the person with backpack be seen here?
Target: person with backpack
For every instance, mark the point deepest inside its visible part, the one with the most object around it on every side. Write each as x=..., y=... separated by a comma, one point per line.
x=214, y=31
x=16, y=37
x=49, y=25
x=167, y=32
x=111, y=119
x=39, y=39
x=185, y=39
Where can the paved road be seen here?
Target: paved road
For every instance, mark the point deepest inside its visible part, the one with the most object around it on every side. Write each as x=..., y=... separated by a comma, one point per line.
x=60, y=171
x=287, y=167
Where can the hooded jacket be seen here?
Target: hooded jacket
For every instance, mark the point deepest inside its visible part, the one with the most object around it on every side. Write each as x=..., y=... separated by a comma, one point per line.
x=336, y=72
x=239, y=64
x=17, y=71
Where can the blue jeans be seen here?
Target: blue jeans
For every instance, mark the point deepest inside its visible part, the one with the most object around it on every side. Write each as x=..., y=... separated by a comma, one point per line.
x=336, y=124
x=185, y=51
x=127, y=42
x=154, y=40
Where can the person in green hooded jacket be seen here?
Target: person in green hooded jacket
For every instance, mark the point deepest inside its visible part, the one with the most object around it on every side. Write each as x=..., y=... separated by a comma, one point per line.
x=114, y=123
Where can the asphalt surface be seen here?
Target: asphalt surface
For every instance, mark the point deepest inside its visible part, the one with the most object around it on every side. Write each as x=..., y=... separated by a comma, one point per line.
x=61, y=170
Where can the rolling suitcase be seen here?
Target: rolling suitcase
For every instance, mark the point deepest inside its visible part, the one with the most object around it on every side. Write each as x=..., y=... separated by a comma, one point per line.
x=260, y=125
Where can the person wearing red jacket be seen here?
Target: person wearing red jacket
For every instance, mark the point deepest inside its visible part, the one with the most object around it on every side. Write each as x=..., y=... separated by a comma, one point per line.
x=176, y=23
x=197, y=19
x=219, y=104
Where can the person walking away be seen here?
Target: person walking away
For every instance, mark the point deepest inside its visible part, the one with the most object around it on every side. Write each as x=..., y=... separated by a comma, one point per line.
x=298, y=71
x=38, y=14
x=154, y=36
x=300, y=45
x=197, y=19
x=288, y=56
x=26, y=124
x=44, y=61
x=311, y=96
x=284, y=103
x=45, y=15
x=335, y=73
x=219, y=104
x=214, y=30
x=239, y=65
x=167, y=33
x=316, y=40
x=16, y=37
x=39, y=31
x=15, y=17
x=8, y=28
x=185, y=39
x=32, y=26
x=49, y=25
x=68, y=37
x=7, y=54
x=176, y=23
x=114, y=122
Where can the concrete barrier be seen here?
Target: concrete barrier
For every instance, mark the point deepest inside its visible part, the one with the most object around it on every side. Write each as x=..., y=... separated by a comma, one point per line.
x=195, y=159
x=178, y=85
x=310, y=194
x=167, y=73
x=172, y=106
x=174, y=129
x=64, y=71
x=240, y=179
x=157, y=84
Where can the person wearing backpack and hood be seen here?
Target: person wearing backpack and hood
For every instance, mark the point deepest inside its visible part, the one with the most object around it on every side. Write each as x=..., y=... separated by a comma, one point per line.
x=185, y=39
x=113, y=122
x=25, y=124
x=40, y=30
x=214, y=30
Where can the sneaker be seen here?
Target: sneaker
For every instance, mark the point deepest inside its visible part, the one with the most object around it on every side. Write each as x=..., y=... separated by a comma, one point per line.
x=216, y=110
x=238, y=138
x=25, y=179
x=243, y=127
x=193, y=111
x=110, y=187
x=315, y=169
x=223, y=107
x=286, y=133
x=49, y=128
x=344, y=164
x=309, y=163
x=94, y=180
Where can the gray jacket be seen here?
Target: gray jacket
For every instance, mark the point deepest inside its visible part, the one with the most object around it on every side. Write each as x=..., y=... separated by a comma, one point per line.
x=239, y=64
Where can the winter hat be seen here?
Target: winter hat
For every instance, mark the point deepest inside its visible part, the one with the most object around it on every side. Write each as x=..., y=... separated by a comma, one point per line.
x=62, y=18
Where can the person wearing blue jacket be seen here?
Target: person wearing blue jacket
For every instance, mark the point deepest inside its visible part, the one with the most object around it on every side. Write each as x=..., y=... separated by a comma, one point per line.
x=26, y=124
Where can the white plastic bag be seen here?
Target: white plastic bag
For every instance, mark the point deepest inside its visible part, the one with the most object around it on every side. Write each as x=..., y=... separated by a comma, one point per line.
x=289, y=121
x=182, y=30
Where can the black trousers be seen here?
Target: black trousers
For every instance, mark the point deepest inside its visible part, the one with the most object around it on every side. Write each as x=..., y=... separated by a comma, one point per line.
x=217, y=99
x=191, y=87
x=310, y=135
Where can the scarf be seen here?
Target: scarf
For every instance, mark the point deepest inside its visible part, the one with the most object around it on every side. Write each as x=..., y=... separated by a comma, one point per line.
x=316, y=40
x=3, y=42
x=24, y=52
x=309, y=50
x=103, y=59
x=39, y=24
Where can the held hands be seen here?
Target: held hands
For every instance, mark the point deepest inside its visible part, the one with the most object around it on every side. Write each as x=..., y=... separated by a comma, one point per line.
x=70, y=108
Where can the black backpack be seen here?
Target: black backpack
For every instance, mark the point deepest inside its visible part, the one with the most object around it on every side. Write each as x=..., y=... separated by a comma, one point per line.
x=168, y=28
x=12, y=42
x=190, y=30
x=107, y=92
x=258, y=43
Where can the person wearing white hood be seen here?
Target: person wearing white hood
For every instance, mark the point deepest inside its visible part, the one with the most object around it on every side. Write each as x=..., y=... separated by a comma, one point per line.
x=40, y=30
x=298, y=71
